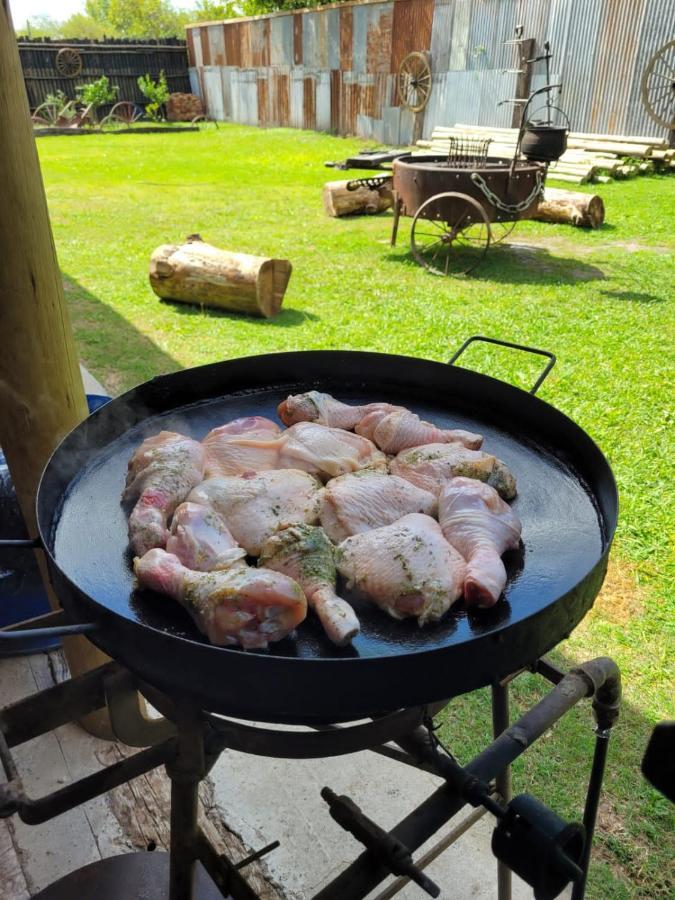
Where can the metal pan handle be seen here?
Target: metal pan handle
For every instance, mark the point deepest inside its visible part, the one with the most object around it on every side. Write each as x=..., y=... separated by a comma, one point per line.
x=50, y=625
x=17, y=543
x=488, y=340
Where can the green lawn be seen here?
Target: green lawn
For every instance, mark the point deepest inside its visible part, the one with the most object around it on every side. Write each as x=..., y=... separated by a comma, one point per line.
x=599, y=300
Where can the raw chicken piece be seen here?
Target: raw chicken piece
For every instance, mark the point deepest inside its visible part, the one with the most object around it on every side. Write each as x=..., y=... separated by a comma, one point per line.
x=391, y=428
x=400, y=429
x=304, y=553
x=327, y=452
x=407, y=568
x=430, y=467
x=241, y=605
x=201, y=540
x=243, y=445
x=254, y=506
x=161, y=474
x=354, y=503
x=323, y=409
x=477, y=522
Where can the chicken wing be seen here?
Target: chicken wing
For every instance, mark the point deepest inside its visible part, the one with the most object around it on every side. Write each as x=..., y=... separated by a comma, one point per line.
x=240, y=605
x=304, y=553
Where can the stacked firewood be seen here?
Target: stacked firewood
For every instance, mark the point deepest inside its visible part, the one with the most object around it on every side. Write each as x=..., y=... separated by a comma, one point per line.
x=589, y=157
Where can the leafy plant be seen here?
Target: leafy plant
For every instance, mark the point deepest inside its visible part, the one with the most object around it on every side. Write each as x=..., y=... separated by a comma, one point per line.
x=61, y=103
x=98, y=92
x=157, y=93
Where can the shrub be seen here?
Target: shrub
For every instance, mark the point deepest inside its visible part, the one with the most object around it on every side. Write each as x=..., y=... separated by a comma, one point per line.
x=97, y=92
x=157, y=93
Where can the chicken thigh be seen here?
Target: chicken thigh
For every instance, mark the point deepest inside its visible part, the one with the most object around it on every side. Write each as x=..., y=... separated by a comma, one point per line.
x=327, y=452
x=201, y=540
x=255, y=506
x=391, y=428
x=477, y=522
x=408, y=568
x=244, y=445
x=430, y=467
x=359, y=502
x=240, y=605
x=160, y=475
x=304, y=553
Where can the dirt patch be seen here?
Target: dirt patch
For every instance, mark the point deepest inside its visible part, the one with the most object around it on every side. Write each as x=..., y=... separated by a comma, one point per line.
x=621, y=598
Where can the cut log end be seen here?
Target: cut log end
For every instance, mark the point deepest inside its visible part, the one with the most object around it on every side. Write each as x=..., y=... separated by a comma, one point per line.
x=338, y=201
x=571, y=208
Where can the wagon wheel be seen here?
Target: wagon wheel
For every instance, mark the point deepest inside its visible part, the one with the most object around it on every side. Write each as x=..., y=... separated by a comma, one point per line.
x=450, y=248
x=414, y=81
x=499, y=231
x=46, y=114
x=68, y=62
x=658, y=86
x=125, y=112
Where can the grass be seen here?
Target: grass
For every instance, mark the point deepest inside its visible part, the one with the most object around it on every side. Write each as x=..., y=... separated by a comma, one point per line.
x=599, y=300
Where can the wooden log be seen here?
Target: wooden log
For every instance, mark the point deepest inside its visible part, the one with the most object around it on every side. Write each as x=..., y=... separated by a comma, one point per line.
x=602, y=179
x=41, y=393
x=338, y=201
x=571, y=208
x=197, y=272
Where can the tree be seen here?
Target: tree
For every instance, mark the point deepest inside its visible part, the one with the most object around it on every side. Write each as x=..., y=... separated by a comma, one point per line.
x=80, y=25
x=145, y=18
x=216, y=10
x=99, y=10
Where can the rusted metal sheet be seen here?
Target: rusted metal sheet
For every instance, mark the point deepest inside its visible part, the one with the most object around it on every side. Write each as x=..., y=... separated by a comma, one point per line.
x=309, y=102
x=297, y=97
x=346, y=52
x=259, y=30
x=206, y=50
x=281, y=41
x=213, y=90
x=322, y=102
x=232, y=45
x=332, y=17
x=216, y=38
x=279, y=97
x=335, y=100
x=379, y=38
x=189, y=36
x=264, y=116
x=197, y=44
x=297, y=39
x=411, y=29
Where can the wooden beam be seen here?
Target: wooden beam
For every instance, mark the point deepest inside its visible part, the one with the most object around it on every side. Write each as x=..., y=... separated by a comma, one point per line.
x=41, y=393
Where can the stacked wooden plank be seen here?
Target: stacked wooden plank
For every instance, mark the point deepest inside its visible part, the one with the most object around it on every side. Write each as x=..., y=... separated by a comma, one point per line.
x=589, y=157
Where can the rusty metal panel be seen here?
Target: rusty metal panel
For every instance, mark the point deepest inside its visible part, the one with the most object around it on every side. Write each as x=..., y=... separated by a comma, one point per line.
x=335, y=100
x=190, y=38
x=360, y=22
x=259, y=30
x=314, y=40
x=245, y=43
x=263, y=101
x=206, y=50
x=216, y=38
x=213, y=91
x=346, y=41
x=332, y=17
x=232, y=44
x=279, y=97
x=411, y=29
x=197, y=43
x=297, y=39
x=226, y=87
x=379, y=37
x=349, y=102
x=309, y=102
x=323, y=102
x=281, y=41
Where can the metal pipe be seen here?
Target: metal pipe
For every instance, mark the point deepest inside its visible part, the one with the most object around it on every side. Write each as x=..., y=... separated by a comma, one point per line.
x=500, y=722
x=591, y=807
x=185, y=771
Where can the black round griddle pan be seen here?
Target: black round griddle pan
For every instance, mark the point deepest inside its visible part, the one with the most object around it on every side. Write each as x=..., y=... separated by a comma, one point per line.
x=567, y=501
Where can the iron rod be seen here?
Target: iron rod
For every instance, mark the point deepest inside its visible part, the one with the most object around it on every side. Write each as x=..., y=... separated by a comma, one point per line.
x=591, y=807
x=500, y=722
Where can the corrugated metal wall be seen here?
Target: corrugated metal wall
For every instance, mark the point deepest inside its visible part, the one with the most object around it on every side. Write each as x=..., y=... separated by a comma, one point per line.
x=334, y=68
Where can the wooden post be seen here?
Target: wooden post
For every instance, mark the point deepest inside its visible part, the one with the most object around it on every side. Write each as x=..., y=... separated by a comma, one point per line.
x=41, y=393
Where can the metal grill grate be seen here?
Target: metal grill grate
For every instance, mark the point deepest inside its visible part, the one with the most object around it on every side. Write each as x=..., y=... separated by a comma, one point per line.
x=468, y=152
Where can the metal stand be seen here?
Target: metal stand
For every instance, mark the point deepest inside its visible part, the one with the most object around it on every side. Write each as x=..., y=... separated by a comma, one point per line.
x=529, y=839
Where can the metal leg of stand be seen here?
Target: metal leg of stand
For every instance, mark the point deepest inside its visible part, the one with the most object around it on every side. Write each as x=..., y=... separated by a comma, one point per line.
x=500, y=722
x=186, y=771
x=591, y=807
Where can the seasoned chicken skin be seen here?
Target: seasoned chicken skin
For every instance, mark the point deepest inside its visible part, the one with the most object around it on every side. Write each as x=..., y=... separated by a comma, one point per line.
x=254, y=506
x=407, y=568
x=328, y=452
x=304, y=553
x=430, y=467
x=391, y=428
x=354, y=503
x=201, y=540
x=244, y=445
x=160, y=475
x=240, y=605
x=477, y=522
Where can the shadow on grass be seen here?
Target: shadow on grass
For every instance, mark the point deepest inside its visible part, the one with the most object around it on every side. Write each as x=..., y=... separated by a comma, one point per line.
x=634, y=296
x=287, y=318
x=116, y=352
x=523, y=264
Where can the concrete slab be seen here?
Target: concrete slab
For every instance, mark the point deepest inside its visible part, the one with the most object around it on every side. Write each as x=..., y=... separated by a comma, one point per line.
x=91, y=384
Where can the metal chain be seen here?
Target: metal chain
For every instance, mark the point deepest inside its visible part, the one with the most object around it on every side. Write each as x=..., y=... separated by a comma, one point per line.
x=496, y=201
